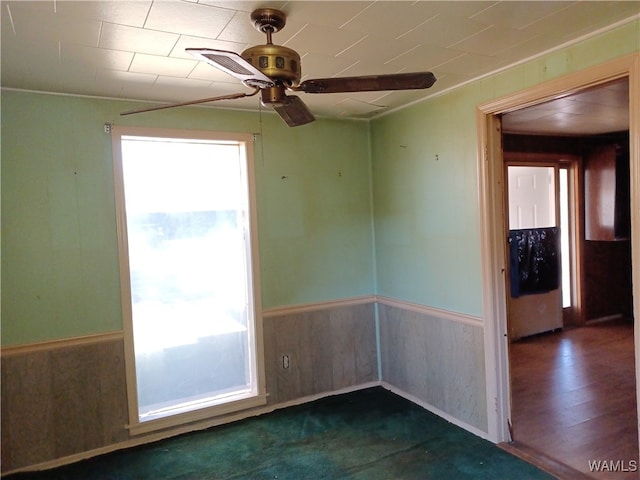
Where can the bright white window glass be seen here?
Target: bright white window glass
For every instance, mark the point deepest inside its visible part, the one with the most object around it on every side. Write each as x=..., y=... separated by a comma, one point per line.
x=564, y=237
x=186, y=218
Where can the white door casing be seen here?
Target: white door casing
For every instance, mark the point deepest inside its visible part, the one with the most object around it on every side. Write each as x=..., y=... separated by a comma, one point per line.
x=493, y=220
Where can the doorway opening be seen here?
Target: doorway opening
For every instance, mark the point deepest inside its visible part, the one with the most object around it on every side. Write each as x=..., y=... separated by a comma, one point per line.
x=564, y=368
x=494, y=223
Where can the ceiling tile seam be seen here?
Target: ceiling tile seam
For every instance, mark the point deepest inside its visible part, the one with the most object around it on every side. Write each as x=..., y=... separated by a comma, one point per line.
x=144, y=29
x=146, y=17
x=357, y=15
x=173, y=47
x=416, y=27
x=225, y=25
x=547, y=16
x=13, y=27
x=295, y=34
x=470, y=36
x=484, y=9
x=346, y=68
x=351, y=46
x=402, y=54
x=462, y=54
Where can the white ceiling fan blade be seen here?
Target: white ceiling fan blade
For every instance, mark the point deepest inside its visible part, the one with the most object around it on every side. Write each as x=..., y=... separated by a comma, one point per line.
x=234, y=65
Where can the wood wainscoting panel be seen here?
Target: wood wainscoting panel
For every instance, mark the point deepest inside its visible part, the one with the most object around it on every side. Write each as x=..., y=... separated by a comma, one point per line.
x=320, y=350
x=27, y=410
x=64, y=401
x=439, y=361
x=61, y=402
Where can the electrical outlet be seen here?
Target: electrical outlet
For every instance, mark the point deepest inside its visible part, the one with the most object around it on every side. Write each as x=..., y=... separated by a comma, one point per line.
x=286, y=361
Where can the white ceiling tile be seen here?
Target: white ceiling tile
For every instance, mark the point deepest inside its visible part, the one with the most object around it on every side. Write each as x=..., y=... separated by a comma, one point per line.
x=519, y=14
x=121, y=77
x=444, y=30
x=457, y=8
x=154, y=64
x=132, y=13
x=376, y=49
x=368, y=20
x=51, y=45
x=322, y=66
x=370, y=68
x=19, y=16
x=241, y=5
x=350, y=106
x=132, y=39
x=188, y=18
x=533, y=46
x=240, y=29
x=584, y=15
x=321, y=12
x=27, y=65
x=468, y=64
x=95, y=57
x=195, y=86
x=424, y=57
x=493, y=40
x=400, y=97
x=316, y=39
x=42, y=24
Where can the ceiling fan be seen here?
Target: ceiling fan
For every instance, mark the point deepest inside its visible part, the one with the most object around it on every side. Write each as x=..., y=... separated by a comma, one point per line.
x=271, y=70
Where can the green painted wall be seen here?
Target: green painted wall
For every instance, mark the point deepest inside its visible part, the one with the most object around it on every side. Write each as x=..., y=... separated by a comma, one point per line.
x=425, y=185
x=59, y=255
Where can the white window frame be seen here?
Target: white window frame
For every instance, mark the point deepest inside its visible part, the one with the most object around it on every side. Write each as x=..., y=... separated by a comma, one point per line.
x=245, y=141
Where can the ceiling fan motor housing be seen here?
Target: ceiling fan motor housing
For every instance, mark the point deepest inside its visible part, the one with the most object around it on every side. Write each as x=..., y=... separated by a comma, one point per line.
x=276, y=62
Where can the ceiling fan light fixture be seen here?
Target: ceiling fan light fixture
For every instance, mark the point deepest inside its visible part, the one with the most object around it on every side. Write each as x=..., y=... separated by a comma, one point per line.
x=272, y=69
x=273, y=96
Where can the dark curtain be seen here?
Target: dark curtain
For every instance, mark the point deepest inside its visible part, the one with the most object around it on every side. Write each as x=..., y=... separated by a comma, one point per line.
x=534, y=260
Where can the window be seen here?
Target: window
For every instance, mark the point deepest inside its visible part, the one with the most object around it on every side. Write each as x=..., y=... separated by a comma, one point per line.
x=188, y=266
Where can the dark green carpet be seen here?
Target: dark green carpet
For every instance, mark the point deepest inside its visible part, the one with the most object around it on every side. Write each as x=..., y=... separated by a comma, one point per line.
x=370, y=434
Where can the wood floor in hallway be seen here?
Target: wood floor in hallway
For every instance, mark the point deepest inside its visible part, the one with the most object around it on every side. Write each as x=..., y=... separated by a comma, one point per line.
x=574, y=400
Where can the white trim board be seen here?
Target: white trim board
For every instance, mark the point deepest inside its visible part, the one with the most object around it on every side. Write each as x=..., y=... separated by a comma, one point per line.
x=315, y=306
x=62, y=343
x=266, y=313
x=432, y=311
x=436, y=411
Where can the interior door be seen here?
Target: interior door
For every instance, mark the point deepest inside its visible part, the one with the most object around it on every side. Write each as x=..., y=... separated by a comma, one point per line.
x=533, y=210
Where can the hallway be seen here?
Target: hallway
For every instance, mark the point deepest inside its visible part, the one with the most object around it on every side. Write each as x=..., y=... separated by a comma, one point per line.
x=573, y=398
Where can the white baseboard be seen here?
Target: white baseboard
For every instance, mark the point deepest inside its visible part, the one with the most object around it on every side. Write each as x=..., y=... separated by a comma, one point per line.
x=192, y=427
x=427, y=406
x=203, y=425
